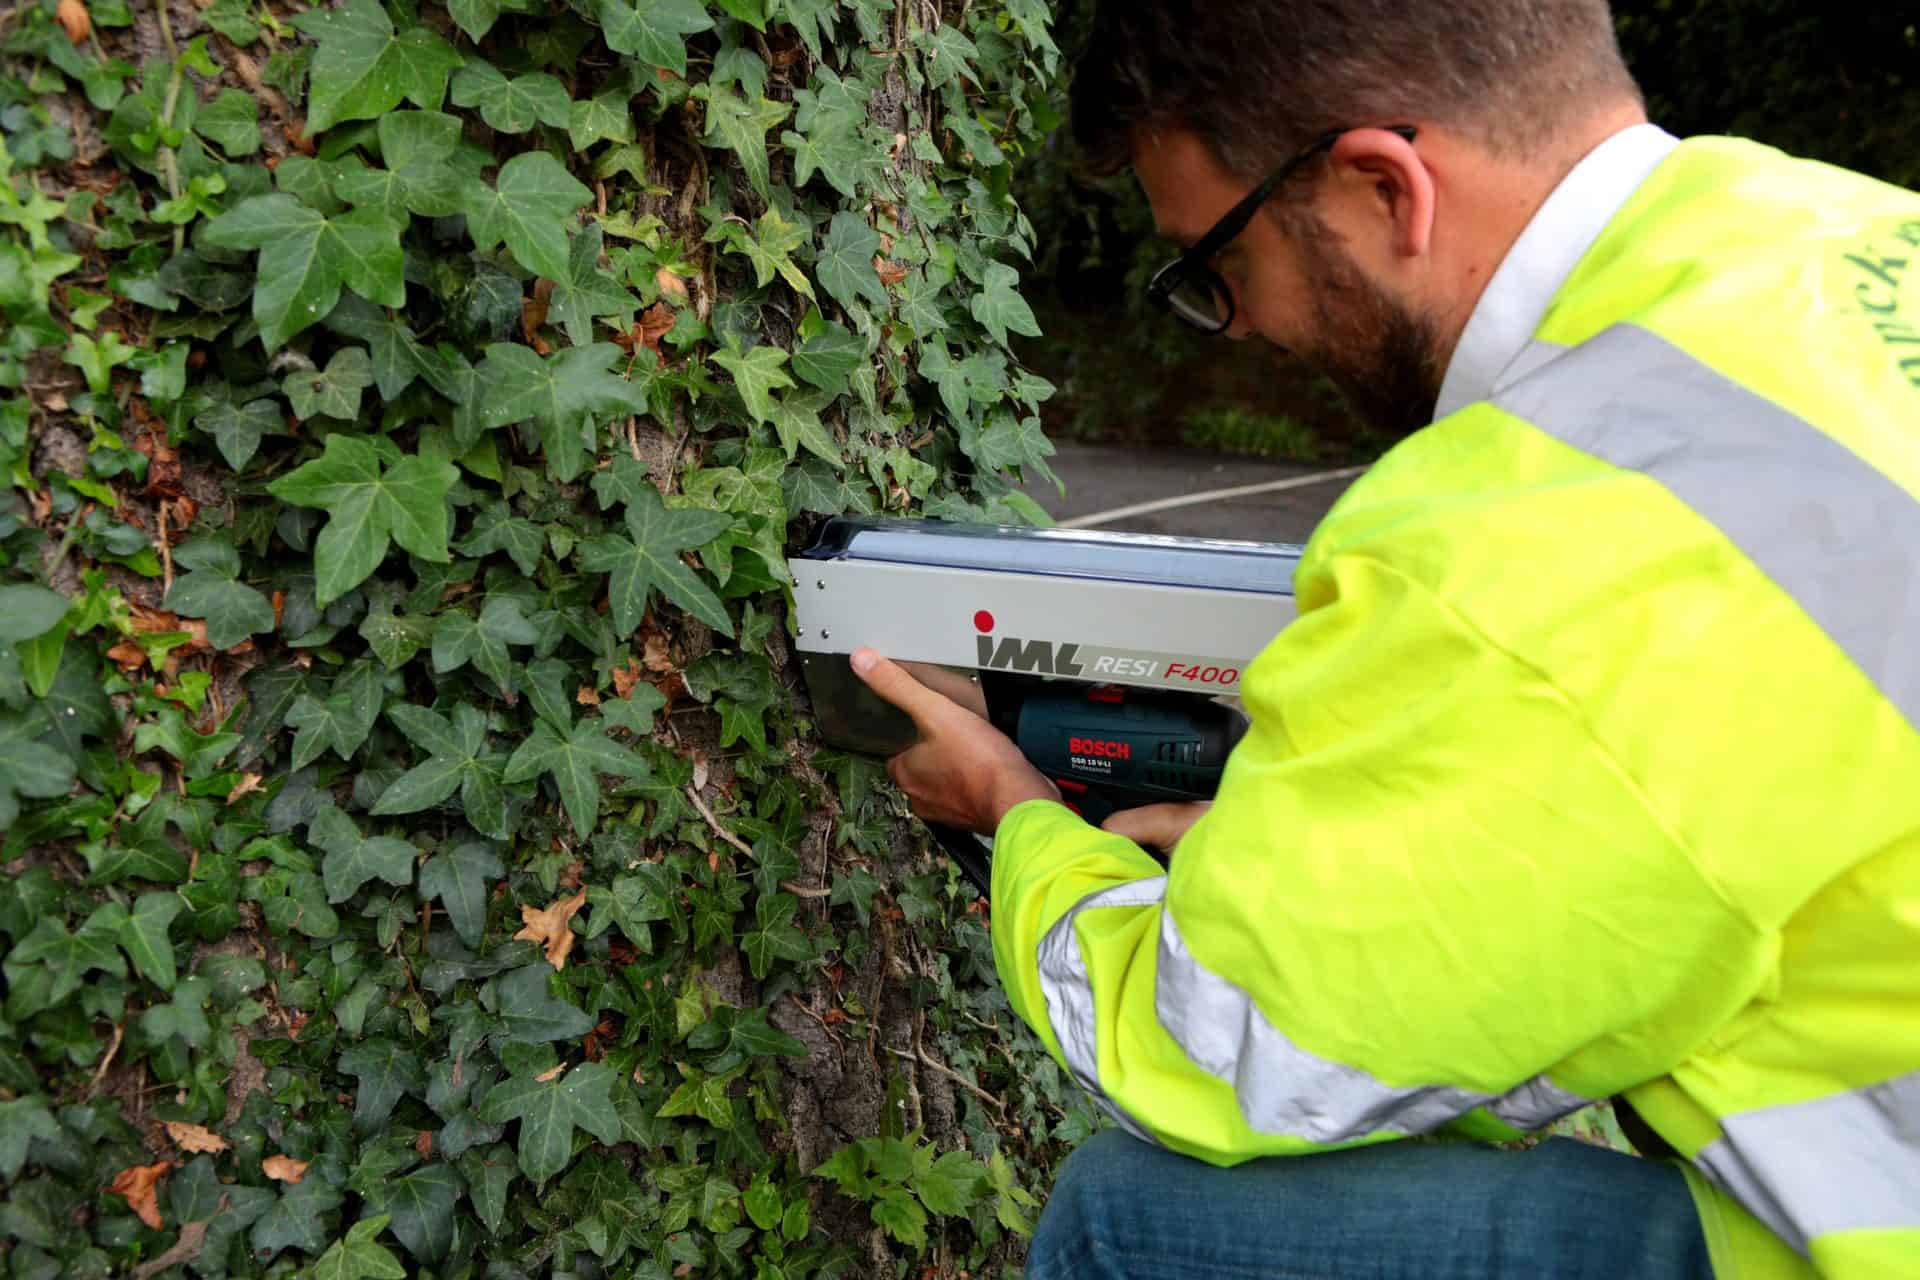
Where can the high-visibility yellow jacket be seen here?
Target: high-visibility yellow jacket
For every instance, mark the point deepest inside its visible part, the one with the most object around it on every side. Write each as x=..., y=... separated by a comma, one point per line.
x=1590, y=767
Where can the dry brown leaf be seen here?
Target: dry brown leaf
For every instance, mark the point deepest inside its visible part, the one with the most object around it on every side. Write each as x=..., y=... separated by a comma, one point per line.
x=890, y=272
x=284, y=1169
x=423, y=1142
x=653, y=325
x=140, y=1185
x=533, y=310
x=130, y=656
x=625, y=678
x=193, y=1137
x=551, y=1074
x=588, y=696
x=248, y=784
x=670, y=283
x=551, y=927
x=73, y=15
x=654, y=652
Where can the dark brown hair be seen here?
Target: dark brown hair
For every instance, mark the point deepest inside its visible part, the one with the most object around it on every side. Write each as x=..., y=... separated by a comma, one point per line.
x=1257, y=79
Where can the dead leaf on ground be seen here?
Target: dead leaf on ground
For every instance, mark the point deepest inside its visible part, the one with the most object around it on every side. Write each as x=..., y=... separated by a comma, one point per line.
x=284, y=1169
x=654, y=651
x=670, y=283
x=552, y=1073
x=248, y=784
x=654, y=324
x=130, y=656
x=140, y=1185
x=588, y=696
x=193, y=1137
x=625, y=678
x=550, y=927
x=73, y=15
x=890, y=272
x=423, y=1142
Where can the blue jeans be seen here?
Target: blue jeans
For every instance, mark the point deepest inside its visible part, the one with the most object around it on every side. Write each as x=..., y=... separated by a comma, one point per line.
x=1431, y=1211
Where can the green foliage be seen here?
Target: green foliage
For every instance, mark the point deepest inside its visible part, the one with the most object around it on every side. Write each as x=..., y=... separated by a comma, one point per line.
x=419, y=859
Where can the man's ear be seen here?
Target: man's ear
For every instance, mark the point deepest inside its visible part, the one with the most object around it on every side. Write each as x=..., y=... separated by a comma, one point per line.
x=1389, y=181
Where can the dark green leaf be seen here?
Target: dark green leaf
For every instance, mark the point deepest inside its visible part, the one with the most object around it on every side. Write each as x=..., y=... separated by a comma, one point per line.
x=366, y=506
x=549, y=1111
x=650, y=560
x=1000, y=307
x=386, y=1070
x=653, y=31
x=528, y=1011
x=529, y=207
x=364, y=68
x=741, y=127
x=360, y=1256
x=576, y=759
x=144, y=937
x=459, y=878
x=305, y=258
x=587, y=292
x=510, y=105
x=422, y=1206
x=334, y=392
x=845, y=265
x=27, y=611
x=353, y=859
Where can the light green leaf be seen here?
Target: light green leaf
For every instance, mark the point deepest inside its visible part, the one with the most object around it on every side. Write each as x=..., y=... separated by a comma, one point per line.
x=510, y=105
x=608, y=114
x=334, y=392
x=231, y=122
x=576, y=761
x=900, y=1214
x=653, y=31
x=144, y=937
x=562, y=393
x=529, y=207
x=364, y=68
x=360, y=1256
x=305, y=258
x=755, y=374
x=366, y=505
x=798, y=420
x=741, y=127
x=1000, y=307
x=845, y=264
x=650, y=559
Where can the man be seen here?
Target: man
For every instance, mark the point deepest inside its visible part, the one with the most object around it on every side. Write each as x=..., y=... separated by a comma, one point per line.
x=1590, y=767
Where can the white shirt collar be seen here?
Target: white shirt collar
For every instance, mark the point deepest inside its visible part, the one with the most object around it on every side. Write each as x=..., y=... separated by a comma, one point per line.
x=1558, y=236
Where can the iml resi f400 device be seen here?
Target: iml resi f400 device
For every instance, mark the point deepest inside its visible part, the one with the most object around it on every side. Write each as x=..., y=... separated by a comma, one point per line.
x=1113, y=660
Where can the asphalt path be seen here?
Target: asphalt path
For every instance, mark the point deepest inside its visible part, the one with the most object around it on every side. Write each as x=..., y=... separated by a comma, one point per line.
x=1101, y=478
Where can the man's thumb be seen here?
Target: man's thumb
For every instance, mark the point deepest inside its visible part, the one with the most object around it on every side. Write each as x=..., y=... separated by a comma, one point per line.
x=893, y=683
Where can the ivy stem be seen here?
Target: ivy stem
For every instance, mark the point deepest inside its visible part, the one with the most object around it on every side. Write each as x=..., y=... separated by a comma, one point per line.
x=169, y=160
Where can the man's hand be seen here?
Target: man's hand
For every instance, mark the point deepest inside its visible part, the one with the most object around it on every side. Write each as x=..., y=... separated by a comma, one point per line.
x=963, y=772
x=1159, y=826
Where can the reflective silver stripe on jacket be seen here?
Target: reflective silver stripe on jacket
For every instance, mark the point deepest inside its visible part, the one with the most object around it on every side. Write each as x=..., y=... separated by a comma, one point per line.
x=1288, y=1091
x=1281, y=1088
x=1069, y=991
x=1848, y=1162
x=1836, y=535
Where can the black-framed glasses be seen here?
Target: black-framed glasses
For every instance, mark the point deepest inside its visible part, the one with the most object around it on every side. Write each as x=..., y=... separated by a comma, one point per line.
x=1192, y=289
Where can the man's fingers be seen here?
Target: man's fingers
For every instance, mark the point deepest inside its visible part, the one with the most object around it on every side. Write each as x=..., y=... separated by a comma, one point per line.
x=1158, y=825
x=892, y=682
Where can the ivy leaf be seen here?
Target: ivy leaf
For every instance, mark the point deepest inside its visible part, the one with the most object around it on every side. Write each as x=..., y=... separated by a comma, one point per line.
x=296, y=1220
x=576, y=762
x=587, y=292
x=144, y=937
x=529, y=1013
x=896, y=1210
x=394, y=638
x=386, y=1070
x=511, y=105
x=27, y=611
x=829, y=357
x=550, y=1110
x=1000, y=307
x=654, y=31
x=363, y=68
x=755, y=375
x=21, y=1121
x=395, y=356
x=353, y=859
x=1012, y=441
x=741, y=127
x=340, y=721
x=459, y=879
x=496, y=528
x=562, y=393
x=529, y=207
x=650, y=559
x=360, y=1256
x=305, y=258
x=608, y=114
x=26, y=768
x=210, y=590
x=64, y=959
x=366, y=505
x=845, y=264
x=334, y=392
x=828, y=140
x=777, y=937
x=231, y=122
x=457, y=758
x=237, y=428
x=422, y=1206
x=798, y=420
x=459, y=638
x=771, y=248
x=951, y=1186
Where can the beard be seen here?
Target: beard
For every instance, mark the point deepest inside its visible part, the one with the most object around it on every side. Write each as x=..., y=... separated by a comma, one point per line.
x=1383, y=357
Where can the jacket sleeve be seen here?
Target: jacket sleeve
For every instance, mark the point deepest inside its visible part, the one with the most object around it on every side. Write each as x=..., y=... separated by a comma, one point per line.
x=1426, y=895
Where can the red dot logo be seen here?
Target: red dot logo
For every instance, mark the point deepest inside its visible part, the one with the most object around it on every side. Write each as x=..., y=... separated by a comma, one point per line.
x=983, y=621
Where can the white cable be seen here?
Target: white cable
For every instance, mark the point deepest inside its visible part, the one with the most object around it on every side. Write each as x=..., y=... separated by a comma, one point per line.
x=1211, y=495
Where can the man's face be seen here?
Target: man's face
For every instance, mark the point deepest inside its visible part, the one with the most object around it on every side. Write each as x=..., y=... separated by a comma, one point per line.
x=1295, y=285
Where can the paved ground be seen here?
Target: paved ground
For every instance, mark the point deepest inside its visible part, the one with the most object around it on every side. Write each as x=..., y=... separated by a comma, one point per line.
x=1100, y=478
